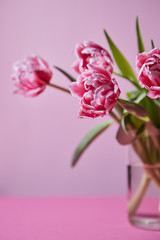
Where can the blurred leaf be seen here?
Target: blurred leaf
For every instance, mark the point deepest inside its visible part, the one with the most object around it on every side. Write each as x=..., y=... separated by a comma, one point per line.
x=154, y=134
x=157, y=102
x=152, y=44
x=141, y=47
x=128, y=131
x=125, y=121
x=122, y=75
x=153, y=131
x=136, y=96
x=88, y=138
x=140, y=130
x=132, y=95
x=140, y=97
x=121, y=62
x=151, y=106
x=124, y=137
x=136, y=122
x=129, y=122
x=72, y=79
x=134, y=109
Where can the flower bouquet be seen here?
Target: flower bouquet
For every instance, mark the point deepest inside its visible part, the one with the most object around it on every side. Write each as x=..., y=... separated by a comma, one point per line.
x=98, y=92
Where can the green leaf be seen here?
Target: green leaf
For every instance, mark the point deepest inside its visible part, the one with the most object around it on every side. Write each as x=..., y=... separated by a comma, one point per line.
x=134, y=109
x=140, y=130
x=132, y=95
x=121, y=75
x=72, y=79
x=88, y=138
x=130, y=128
x=121, y=62
x=141, y=47
x=140, y=97
x=157, y=102
x=126, y=122
x=130, y=122
x=136, y=95
x=124, y=137
x=153, y=110
x=152, y=44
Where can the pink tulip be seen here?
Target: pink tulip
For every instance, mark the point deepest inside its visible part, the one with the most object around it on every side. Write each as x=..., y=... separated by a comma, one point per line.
x=97, y=92
x=148, y=66
x=91, y=53
x=31, y=76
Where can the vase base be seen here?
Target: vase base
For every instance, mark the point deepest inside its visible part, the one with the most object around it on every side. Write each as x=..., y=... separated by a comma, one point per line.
x=147, y=223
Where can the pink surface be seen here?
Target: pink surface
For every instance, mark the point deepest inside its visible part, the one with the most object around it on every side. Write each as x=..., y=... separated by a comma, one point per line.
x=67, y=218
x=38, y=135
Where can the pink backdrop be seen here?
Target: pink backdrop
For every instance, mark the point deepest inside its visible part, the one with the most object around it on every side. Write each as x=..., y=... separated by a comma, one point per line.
x=38, y=135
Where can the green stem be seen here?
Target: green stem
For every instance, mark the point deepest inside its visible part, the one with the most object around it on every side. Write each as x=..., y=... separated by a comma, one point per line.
x=149, y=175
x=139, y=195
x=58, y=87
x=115, y=117
x=119, y=110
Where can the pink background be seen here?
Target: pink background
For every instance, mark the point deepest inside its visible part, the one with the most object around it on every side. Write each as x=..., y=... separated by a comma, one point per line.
x=38, y=135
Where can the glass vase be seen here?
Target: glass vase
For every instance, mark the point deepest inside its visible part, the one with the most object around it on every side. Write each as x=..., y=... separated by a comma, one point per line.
x=143, y=192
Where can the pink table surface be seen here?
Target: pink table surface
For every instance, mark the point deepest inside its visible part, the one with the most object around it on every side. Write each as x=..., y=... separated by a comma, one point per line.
x=67, y=219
